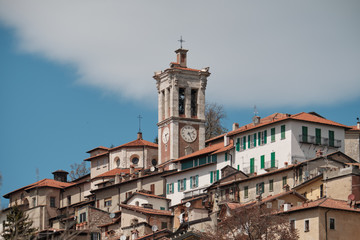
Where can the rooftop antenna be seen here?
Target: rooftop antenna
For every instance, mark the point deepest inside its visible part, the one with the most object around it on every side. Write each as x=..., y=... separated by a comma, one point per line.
x=139, y=117
x=181, y=41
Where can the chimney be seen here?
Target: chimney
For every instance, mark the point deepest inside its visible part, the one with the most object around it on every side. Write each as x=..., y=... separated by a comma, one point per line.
x=319, y=153
x=226, y=140
x=286, y=164
x=235, y=126
x=181, y=57
x=139, y=136
x=117, y=179
x=60, y=175
x=358, y=123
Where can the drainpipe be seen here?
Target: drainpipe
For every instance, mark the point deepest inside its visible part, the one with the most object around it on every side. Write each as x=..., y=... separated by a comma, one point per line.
x=326, y=233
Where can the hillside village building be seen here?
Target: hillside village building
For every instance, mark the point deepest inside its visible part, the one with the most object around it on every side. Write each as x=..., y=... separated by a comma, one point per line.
x=302, y=165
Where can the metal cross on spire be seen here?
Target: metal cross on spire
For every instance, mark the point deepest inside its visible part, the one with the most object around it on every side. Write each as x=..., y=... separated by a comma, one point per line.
x=139, y=117
x=181, y=41
x=255, y=111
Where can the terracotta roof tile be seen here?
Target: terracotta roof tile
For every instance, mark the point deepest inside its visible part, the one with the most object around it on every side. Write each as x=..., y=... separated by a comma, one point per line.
x=136, y=143
x=225, y=148
x=354, y=128
x=96, y=156
x=277, y=117
x=113, y=172
x=326, y=203
x=97, y=148
x=206, y=150
x=146, y=211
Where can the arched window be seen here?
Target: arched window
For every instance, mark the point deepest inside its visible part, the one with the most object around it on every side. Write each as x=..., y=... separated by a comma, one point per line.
x=117, y=162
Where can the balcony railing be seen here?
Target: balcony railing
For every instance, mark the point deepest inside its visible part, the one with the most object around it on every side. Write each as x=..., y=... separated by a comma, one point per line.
x=271, y=164
x=193, y=193
x=320, y=141
x=249, y=170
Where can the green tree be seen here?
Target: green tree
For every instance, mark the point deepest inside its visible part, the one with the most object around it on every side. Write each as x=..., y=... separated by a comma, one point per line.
x=214, y=114
x=18, y=226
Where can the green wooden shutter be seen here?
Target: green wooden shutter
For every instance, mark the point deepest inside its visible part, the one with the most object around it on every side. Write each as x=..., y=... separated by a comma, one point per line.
x=184, y=184
x=191, y=183
x=249, y=141
x=225, y=157
x=262, y=161
x=318, y=135
x=254, y=139
x=238, y=167
x=197, y=180
x=273, y=135
x=331, y=138
x=273, y=159
x=167, y=188
x=179, y=185
x=265, y=137
x=173, y=189
x=304, y=134
x=238, y=144
x=282, y=131
x=211, y=177
x=259, y=138
x=217, y=175
x=252, y=165
x=244, y=142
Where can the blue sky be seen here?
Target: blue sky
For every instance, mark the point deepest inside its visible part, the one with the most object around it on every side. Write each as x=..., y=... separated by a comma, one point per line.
x=75, y=76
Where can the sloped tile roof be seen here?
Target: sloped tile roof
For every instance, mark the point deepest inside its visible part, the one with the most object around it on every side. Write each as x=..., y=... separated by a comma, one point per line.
x=146, y=211
x=98, y=148
x=354, y=128
x=326, y=203
x=96, y=156
x=209, y=149
x=146, y=195
x=113, y=172
x=42, y=183
x=137, y=143
x=277, y=117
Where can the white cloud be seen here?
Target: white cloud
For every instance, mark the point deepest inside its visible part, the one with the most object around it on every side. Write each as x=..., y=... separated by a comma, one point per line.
x=271, y=53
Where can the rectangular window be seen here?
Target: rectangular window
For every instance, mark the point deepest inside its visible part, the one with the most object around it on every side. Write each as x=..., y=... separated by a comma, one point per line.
x=52, y=202
x=273, y=135
x=214, y=158
x=182, y=185
x=318, y=136
x=254, y=139
x=162, y=208
x=273, y=159
x=260, y=188
x=196, y=162
x=202, y=161
x=300, y=174
x=214, y=176
x=321, y=190
x=284, y=180
x=271, y=185
x=304, y=134
x=194, y=181
x=68, y=200
x=306, y=226
x=163, y=225
x=332, y=223
x=246, y=192
x=170, y=188
x=181, y=101
x=107, y=202
x=82, y=217
x=187, y=164
x=193, y=102
x=292, y=224
x=282, y=131
x=252, y=165
x=262, y=161
x=209, y=159
x=331, y=138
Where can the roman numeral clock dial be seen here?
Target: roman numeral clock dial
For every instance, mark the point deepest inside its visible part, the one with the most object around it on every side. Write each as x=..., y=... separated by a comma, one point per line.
x=188, y=133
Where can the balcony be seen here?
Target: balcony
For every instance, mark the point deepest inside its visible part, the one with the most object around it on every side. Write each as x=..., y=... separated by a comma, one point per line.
x=249, y=170
x=194, y=193
x=319, y=141
x=271, y=165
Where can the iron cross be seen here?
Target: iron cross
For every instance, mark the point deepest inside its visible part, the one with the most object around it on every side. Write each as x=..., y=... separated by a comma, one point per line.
x=181, y=41
x=139, y=117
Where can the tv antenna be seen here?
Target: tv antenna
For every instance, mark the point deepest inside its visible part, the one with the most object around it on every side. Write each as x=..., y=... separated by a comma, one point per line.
x=139, y=117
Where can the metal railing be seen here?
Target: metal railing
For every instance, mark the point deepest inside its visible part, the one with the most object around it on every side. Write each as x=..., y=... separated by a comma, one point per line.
x=320, y=141
x=193, y=193
x=247, y=170
x=271, y=164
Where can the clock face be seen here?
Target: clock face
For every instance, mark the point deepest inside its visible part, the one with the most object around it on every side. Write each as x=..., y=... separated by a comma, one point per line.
x=188, y=133
x=165, y=135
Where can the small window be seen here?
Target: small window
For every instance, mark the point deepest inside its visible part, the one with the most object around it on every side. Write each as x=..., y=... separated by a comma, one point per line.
x=246, y=192
x=292, y=224
x=34, y=201
x=182, y=185
x=271, y=185
x=52, y=202
x=321, y=190
x=170, y=188
x=284, y=180
x=107, y=202
x=135, y=160
x=332, y=223
x=162, y=208
x=163, y=225
x=95, y=236
x=273, y=135
x=194, y=181
x=82, y=217
x=117, y=161
x=306, y=226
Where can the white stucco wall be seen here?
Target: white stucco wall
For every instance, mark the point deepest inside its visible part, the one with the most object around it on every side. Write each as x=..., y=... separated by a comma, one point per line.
x=156, y=202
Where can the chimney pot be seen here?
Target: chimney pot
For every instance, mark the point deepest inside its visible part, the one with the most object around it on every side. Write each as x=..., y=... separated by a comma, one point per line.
x=235, y=126
x=139, y=135
x=181, y=57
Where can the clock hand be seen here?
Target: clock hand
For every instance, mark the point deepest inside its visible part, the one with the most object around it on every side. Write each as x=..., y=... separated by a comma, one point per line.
x=190, y=136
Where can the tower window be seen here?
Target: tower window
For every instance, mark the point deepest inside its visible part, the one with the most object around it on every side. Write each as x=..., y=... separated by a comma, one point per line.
x=181, y=101
x=193, y=102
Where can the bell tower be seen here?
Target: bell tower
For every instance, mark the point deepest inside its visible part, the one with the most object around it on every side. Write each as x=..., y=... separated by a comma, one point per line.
x=181, y=108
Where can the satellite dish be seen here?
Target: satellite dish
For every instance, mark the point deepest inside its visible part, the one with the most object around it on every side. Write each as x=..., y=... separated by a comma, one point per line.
x=112, y=215
x=123, y=237
x=188, y=204
x=152, y=168
x=154, y=228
